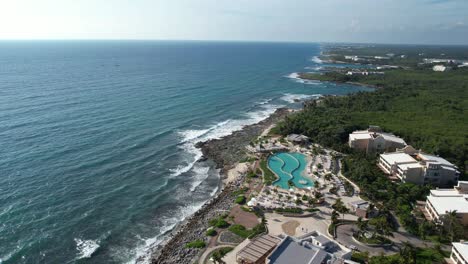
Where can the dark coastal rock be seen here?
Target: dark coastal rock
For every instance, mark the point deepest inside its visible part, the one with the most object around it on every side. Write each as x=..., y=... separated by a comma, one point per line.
x=225, y=152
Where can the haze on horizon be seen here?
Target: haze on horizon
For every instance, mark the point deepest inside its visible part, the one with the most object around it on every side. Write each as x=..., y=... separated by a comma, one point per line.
x=382, y=21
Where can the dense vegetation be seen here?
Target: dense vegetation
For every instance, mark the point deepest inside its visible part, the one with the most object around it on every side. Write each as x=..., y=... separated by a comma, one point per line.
x=426, y=108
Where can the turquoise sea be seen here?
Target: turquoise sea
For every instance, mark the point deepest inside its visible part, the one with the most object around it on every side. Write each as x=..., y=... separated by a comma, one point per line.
x=97, y=156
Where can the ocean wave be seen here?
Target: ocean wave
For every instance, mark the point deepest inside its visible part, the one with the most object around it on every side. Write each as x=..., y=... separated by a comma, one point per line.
x=201, y=174
x=143, y=252
x=317, y=68
x=316, y=59
x=86, y=248
x=292, y=98
x=295, y=76
x=191, y=136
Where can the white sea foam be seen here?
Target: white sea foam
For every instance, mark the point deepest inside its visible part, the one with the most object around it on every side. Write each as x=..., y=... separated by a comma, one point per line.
x=317, y=68
x=201, y=174
x=295, y=76
x=143, y=252
x=316, y=59
x=86, y=248
x=190, y=137
x=291, y=98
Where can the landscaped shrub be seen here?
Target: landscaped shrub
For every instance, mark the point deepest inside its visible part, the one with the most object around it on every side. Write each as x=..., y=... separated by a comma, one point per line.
x=211, y=232
x=196, y=244
x=240, y=230
x=219, y=222
x=240, y=199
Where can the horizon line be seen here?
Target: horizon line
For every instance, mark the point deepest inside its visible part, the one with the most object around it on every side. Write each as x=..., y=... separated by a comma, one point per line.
x=233, y=40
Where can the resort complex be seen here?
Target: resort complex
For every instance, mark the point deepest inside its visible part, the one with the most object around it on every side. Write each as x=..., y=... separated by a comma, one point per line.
x=414, y=166
x=441, y=202
x=374, y=140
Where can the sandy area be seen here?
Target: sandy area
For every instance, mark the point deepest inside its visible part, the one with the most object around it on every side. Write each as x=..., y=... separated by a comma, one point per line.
x=289, y=227
x=234, y=173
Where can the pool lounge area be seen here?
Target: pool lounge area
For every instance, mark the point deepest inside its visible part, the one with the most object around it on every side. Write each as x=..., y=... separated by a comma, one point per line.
x=289, y=166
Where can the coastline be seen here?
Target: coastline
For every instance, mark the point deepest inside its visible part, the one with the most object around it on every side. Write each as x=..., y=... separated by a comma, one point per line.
x=226, y=152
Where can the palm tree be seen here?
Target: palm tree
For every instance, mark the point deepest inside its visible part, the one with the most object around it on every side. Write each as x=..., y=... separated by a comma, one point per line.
x=340, y=207
x=408, y=252
x=362, y=227
x=451, y=225
x=334, y=217
x=381, y=227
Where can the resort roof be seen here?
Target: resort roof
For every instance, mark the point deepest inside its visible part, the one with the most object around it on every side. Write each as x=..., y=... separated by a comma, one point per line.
x=355, y=136
x=410, y=166
x=448, y=203
x=429, y=158
x=322, y=239
x=462, y=248
x=393, y=138
x=258, y=248
x=296, y=137
x=397, y=157
x=290, y=251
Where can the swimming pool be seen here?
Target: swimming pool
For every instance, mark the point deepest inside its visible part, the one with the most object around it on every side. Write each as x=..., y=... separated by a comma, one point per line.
x=289, y=166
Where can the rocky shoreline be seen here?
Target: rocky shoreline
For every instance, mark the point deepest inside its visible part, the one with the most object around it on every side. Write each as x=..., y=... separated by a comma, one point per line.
x=229, y=150
x=225, y=152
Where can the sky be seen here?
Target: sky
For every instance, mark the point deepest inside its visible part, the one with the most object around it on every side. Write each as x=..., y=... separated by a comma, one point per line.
x=370, y=21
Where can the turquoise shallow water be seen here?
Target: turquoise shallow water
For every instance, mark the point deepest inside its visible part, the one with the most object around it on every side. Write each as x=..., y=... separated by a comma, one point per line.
x=289, y=166
x=97, y=137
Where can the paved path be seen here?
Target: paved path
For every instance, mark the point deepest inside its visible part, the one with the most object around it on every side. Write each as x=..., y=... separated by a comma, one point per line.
x=345, y=237
x=208, y=251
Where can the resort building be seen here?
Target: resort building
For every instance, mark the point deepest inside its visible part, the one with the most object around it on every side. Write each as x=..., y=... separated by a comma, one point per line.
x=298, y=139
x=374, y=140
x=257, y=250
x=410, y=165
x=459, y=253
x=313, y=248
x=442, y=201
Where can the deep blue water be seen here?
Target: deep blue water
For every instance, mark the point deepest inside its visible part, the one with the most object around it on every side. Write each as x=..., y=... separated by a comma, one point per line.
x=96, y=138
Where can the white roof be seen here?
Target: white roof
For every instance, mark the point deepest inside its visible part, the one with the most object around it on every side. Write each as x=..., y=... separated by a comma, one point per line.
x=428, y=158
x=397, y=157
x=410, y=166
x=354, y=136
x=445, y=192
x=393, y=138
x=462, y=248
x=443, y=204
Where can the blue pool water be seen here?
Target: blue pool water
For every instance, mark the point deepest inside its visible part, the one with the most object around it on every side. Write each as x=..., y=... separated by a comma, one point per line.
x=289, y=166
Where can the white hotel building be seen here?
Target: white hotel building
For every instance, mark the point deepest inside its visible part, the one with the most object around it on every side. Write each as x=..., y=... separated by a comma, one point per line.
x=410, y=165
x=441, y=201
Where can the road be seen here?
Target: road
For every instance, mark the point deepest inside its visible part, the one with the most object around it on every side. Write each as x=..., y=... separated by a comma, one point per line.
x=345, y=237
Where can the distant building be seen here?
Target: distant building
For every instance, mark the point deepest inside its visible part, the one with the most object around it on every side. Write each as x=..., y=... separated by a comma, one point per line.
x=440, y=68
x=459, y=253
x=381, y=58
x=410, y=165
x=257, y=250
x=313, y=248
x=374, y=140
x=441, y=201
